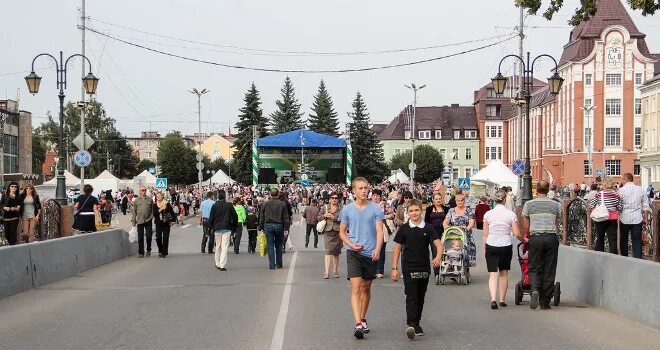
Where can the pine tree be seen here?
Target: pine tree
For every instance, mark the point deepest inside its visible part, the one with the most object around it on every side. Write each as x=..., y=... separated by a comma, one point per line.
x=368, y=159
x=287, y=116
x=251, y=114
x=324, y=120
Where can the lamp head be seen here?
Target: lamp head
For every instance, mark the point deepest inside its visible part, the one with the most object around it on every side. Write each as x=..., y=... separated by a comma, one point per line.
x=499, y=83
x=554, y=83
x=90, y=82
x=33, y=81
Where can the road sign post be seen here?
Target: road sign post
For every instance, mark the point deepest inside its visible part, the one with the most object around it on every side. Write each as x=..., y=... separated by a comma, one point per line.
x=464, y=183
x=161, y=183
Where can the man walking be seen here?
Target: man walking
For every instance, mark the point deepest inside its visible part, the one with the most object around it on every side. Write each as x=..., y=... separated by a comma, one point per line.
x=274, y=220
x=205, y=213
x=142, y=214
x=634, y=213
x=222, y=221
x=361, y=229
x=310, y=214
x=541, y=217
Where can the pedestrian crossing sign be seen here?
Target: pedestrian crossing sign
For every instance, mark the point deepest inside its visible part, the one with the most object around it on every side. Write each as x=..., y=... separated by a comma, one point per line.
x=464, y=184
x=161, y=183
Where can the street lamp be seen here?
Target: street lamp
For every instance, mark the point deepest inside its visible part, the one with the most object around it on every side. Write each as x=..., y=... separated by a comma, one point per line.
x=588, y=110
x=554, y=85
x=412, y=166
x=199, y=94
x=90, y=83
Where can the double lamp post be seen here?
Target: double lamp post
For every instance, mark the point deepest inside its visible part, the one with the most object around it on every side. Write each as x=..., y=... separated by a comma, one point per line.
x=90, y=82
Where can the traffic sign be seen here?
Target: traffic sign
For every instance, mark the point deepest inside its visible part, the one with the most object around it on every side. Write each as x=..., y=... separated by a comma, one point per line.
x=89, y=141
x=161, y=183
x=518, y=167
x=199, y=157
x=599, y=172
x=304, y=183
x=464, y=183
x=152, y=170
x=200, y=166
x=412, y=166
x=82, y=158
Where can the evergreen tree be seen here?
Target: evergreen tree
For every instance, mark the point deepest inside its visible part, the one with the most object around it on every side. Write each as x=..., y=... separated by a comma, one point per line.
x=177, y=161
x=251, y=114
x=287, y=117
x=368, y=159
x=324, y=120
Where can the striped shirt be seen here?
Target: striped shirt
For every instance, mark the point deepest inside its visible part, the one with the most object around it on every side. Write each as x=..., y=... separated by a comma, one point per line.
x=610, y=198
x=543, y=214
x=633, y=202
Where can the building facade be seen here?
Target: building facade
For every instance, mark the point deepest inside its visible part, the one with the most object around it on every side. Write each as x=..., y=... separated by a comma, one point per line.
x=16, y=129
x=219, y=146
x=146, y=146
x=649, y=158
x=452, y=130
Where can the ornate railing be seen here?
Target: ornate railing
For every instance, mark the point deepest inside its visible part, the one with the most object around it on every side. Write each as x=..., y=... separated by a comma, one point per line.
x=576, y=222
x=51, y=221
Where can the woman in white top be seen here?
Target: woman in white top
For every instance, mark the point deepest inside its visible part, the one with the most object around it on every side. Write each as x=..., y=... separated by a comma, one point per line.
x=498, y=225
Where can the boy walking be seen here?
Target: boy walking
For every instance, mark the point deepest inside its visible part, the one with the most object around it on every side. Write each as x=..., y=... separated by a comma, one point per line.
x=361, y=229
x=415, y=237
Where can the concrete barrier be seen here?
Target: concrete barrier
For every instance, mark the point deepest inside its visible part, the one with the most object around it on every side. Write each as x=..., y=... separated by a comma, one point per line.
x=33, y=265
x=623, y=285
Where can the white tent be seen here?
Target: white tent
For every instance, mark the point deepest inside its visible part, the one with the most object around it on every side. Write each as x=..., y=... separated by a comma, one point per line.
x=105, y=181
x=145, y=178
x=70, y=180
x=398, y=175
x=220, y=178
x=497, y=174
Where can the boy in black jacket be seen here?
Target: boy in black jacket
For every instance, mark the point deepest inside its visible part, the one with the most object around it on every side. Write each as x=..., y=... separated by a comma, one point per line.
x=251, y=223
x=415, y=236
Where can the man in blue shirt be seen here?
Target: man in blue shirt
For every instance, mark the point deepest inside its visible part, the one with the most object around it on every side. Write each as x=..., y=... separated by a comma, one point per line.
x=361, y=229
x=204, y=213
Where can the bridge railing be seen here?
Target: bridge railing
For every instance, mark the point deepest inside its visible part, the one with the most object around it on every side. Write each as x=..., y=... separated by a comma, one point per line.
x=49, y=226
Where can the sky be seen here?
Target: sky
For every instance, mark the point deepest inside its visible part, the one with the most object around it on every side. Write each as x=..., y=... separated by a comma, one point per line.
x=144, y=90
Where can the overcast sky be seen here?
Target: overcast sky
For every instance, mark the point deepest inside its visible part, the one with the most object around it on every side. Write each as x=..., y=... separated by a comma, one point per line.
x=139, y=86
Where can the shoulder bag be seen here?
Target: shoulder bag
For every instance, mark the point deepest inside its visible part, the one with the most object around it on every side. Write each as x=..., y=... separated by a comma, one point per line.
x=600, y=212
x=320, y=226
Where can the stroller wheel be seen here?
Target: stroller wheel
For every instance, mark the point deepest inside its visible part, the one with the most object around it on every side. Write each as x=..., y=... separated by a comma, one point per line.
x=519, y=293
x=557, y=295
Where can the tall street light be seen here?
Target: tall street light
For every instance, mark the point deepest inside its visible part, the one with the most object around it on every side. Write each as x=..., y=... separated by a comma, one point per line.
x=554, y=84
x=412, y=166
x=90, y=83
x=199, y=94
x=588, y=110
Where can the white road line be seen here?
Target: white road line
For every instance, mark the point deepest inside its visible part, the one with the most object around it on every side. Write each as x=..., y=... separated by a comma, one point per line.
x=186, y=226
x=278, y=336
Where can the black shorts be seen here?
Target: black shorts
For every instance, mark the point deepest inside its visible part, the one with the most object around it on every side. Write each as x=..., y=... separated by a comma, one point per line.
x=498, y=258
x=360, y=266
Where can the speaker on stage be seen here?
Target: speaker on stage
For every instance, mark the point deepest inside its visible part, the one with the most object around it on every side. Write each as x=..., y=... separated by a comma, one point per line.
x=267, y=176
x=335, y=175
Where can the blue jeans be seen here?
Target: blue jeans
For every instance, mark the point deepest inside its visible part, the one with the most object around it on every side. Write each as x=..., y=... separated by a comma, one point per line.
x=275, y=239
x=380, y=265
x=635, y=231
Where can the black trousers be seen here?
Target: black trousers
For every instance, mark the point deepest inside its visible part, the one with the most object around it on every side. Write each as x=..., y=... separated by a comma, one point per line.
x=162, y=236
x=11, y=228
x=543, y=250
x=415, y=289
x=252, y=240
x=635, y=231
x=237, y=235
x=142, y=228
x=310, y=228
x=603, y=227
x=207, y=235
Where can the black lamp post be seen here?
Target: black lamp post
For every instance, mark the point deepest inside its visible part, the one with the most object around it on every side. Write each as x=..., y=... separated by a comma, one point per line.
x=554, y=84
x=90, y=82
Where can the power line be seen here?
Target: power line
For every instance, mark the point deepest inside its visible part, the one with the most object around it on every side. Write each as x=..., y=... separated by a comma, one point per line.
x=350, y=70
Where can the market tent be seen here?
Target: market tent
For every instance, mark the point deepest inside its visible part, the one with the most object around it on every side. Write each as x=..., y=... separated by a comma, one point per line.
x=70, y=180
x=221, y=178
x=398, y=175
x=145, y=178
x=294, y=139
x=497, y=174
x=105, y=181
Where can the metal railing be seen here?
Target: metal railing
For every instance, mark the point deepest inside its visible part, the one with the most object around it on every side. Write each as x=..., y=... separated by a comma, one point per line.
x=51, y=220
x=576, y=222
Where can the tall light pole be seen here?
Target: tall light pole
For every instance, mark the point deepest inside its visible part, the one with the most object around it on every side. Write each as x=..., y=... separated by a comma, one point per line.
x=554, y=84
x=588, y=110
x=199, y=94
x=303, y=167
x=412, y=165
x=90, y=83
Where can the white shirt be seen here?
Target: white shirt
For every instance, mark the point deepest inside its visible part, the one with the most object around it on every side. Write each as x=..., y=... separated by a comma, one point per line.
x=421, y=224
x=500, y=219
x=633, y=203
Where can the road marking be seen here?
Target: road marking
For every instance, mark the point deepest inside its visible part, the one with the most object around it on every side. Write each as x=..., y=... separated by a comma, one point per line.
x=278, y=336
x=186, y=226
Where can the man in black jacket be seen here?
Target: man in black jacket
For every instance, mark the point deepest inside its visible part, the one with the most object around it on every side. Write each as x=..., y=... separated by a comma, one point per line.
x=222, y=221
x=274, y=220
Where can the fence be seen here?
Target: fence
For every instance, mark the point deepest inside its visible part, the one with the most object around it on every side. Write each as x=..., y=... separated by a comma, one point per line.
x=48, y=227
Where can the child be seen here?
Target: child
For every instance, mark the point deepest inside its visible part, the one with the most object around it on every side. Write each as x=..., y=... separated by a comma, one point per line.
x=251, y=223
x=176, y=211
x=453, y=256
x=415, y=236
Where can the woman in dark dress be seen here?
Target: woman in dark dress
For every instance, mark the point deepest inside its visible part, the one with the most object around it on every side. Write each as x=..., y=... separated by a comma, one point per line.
x=88, y=208
x=11, y=207
x=163, y=217
x=435, y=216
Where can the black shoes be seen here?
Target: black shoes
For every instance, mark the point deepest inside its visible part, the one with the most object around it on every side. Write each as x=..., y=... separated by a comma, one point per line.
x=534, y=303
x=236, y=252
x=148, y=254
x=493, y=305
x=306, y=244
x=410, y=332
x=203, y=249
x=419, y=331
x=502, y=304
x=358, y=332
x=211, y=251
x=545, y=306
x=437, y=280
x=365, y=327
x=222, y=269
x=141, y=256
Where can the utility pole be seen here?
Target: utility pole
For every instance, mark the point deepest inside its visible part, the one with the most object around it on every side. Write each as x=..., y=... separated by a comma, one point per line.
x=588, y=111
x=521, y=110
x=83, y=24
x=199, y=94
x=412, y=166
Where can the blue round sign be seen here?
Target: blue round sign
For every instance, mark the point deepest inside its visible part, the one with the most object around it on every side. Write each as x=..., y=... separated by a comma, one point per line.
x=518, y=167
x=304, y=183
x=82, y=158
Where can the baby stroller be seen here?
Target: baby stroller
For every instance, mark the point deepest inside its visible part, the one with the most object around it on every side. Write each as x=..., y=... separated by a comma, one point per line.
x=453, y=263
x=523, y=287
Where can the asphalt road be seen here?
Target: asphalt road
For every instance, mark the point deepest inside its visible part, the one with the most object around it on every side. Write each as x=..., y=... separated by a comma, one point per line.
x=183, y=302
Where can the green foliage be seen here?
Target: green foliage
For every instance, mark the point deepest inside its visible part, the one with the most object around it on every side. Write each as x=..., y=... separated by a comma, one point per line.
x=287, y=117
x=368, y=159
x=250, y=114
x=324, y=120
x=177, y=161
x=39, y=149
x=145, y=164
x=222, y=164
x=428, y=159
x=587, y=8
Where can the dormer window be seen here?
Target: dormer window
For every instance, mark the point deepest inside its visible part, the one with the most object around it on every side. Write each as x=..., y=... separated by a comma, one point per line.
x=457, y=134
x=438, y=134
x=424, y=134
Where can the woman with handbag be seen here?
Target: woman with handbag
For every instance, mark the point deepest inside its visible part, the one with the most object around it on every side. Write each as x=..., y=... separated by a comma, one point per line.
x=605, y=216
x=30, y=211
x=163, y=217
x=88, y=209
x=11, y=207
x=333, y=244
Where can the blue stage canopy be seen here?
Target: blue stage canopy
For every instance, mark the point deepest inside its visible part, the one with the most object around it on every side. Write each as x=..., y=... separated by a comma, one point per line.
x=292, y=139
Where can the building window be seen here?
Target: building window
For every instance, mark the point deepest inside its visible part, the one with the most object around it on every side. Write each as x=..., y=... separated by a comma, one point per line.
x=587, y=137
x=587, y=170
x=454, y=153
x=613, y=79
x=471, y=134
x=468, y=153
x=424, y=135
x=148, y=154
x=137, y=143
x=487, y=153
x=499, y=131
x=493, y=110
x=10, y=153
x=493, y=153
x=397, y=151
x=499, y=153
x=457, y=134
x=407, y=134
x=613, y=167
x=638, y=137
x=636, y=168
x=443, y=153
x=612, y=137
x=490, y=92
x=468, y=172
x=638, y=106
x=613, y=107
x=438, y=134
x=454, y=173
x=493, y=131
x=587, y=79
x=638, y=79
x=587, y=102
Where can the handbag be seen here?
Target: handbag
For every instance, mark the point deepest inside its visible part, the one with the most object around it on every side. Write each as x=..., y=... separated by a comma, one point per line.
x=263, y=244
x=600, y=212
x=320, y=226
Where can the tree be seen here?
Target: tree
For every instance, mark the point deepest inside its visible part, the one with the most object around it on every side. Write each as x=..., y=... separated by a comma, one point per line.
x=428, y=159
x=222, y=164
x=145, y=164
x=39, y=149
x=177, y=161
x=287, y=117
x=368, y=159
x=587, y=8
x=324, y=120
x=250, y=114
